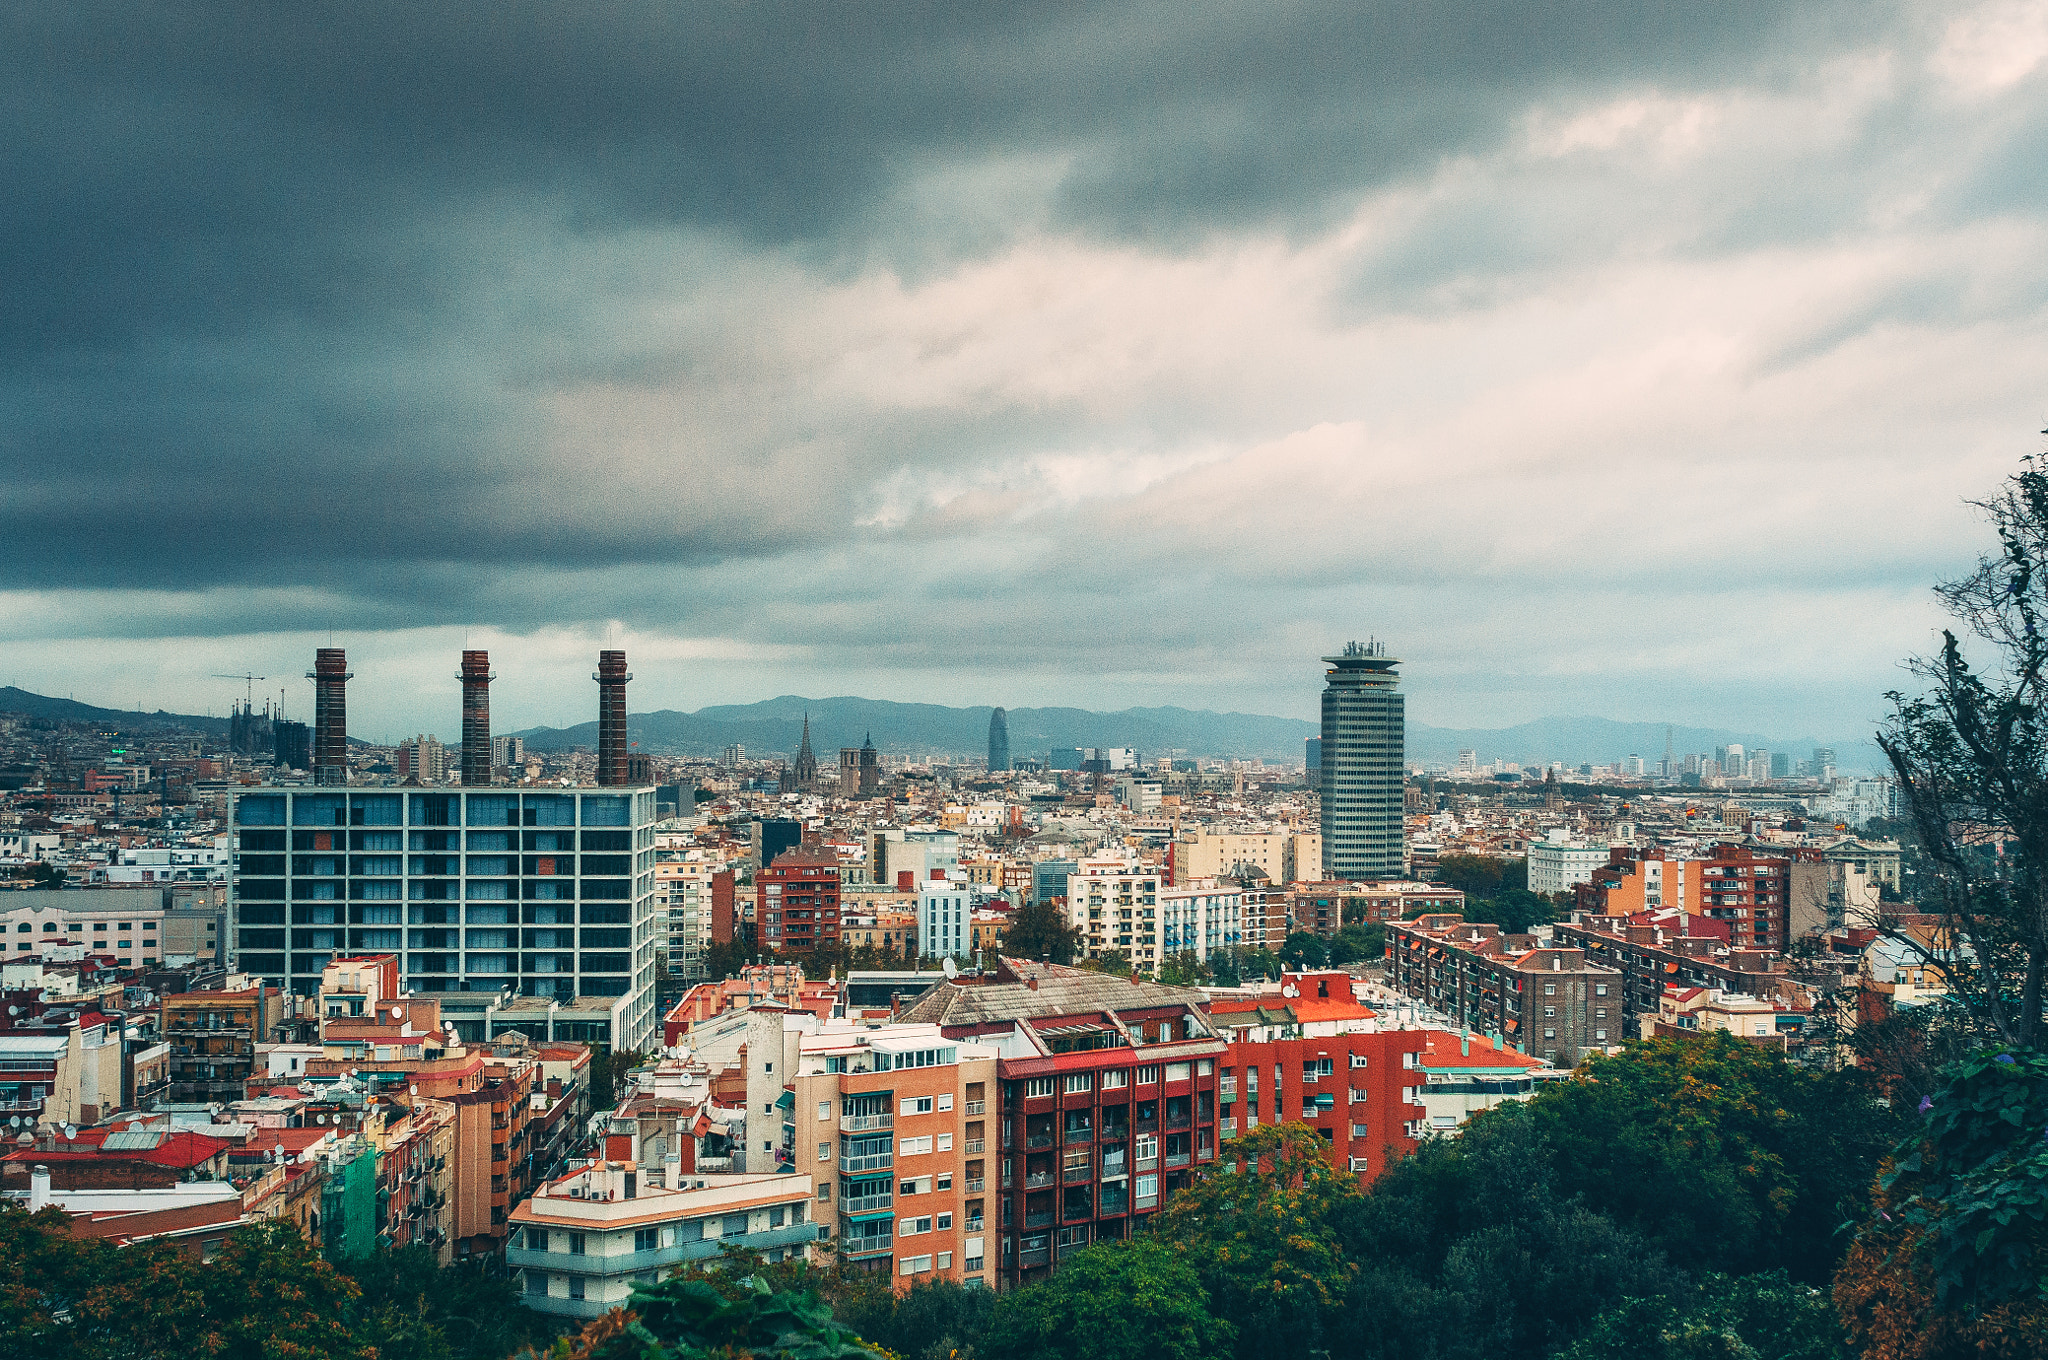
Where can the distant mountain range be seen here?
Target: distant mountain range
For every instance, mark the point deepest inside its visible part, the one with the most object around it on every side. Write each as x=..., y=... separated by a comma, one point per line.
x=773, y=727
x=13, y=700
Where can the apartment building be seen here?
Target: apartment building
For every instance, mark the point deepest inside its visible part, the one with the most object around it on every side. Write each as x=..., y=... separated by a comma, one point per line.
x=891, y=1124
x=1361, y=1092
x=213, y=1038
x=1559, y=864
x=1464, y=1074
x=1750, y=889
x=1325, y=908
x=945, y=912
x=1655, y=950
x=1108, y=1101
x=581, y=1242
x=682, y=911
x=543, y=893
x=1549, y=1002
x=1203, y=918
x=1114, y=903
x=796, y=900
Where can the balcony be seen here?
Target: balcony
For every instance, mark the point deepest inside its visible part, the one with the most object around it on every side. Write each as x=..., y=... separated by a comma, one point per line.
x=976, y=1184
x=862, y=1123
x=1081, y=1135
x=880, y=1161
x=977, y=1106
x=977, y=1145
x=1039, y=1219
x=860, y=1248
x=1174, y=1159
x=865, y=1204
x=1037, y=1256
x=1038, y=1180
x=1077, y=1175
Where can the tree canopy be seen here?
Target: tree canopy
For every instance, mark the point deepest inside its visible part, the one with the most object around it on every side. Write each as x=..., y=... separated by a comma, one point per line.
x=1114, y=1301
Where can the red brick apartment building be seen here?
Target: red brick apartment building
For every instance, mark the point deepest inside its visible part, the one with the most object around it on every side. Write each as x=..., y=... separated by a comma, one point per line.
x=796, y=900
x=1107, y=1110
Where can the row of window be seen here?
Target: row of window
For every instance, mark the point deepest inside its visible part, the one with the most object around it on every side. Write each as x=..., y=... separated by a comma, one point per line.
x=1116, y=1079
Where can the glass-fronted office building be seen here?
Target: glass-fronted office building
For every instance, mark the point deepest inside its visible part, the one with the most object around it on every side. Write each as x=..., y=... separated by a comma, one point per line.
x=540, y=893
x=1364, y=740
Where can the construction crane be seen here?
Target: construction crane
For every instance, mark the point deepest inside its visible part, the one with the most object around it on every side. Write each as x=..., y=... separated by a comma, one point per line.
x=249, y=697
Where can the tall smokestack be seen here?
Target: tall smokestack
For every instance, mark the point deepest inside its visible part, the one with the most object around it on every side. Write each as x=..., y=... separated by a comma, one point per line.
x=611, y=680
x=476, y=680
x=330, y=676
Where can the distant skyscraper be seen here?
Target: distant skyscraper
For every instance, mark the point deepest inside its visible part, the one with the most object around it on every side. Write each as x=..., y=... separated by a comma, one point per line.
x=1364, y=738
x=1315, y=759
x=999, y=740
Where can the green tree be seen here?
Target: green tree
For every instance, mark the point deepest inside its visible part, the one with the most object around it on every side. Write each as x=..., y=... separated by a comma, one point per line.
x=1358, y=941
x=1303, y=950
x=1039, y=930
x=1260, y=1225
x=724, y=959
x=1971, y=756
x=1482, y=876
x=1183, y=969
x=606, y=1067
x=1719, y=1318
x=412, y=1306
x=1721, y=1152
x=1112, y=961
x=688, y=1317
x=1114, y=1301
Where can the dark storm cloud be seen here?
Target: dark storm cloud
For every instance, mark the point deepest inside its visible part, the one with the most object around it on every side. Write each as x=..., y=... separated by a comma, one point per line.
x=248, y=249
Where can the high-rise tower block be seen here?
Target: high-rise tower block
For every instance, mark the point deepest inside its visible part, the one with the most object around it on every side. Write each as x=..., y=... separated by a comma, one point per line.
x=1364, y=739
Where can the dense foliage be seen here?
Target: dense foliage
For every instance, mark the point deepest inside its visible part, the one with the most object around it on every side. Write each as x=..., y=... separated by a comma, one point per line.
x=1496, y=891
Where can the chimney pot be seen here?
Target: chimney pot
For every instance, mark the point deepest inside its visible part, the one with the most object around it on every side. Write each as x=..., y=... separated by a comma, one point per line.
x=38, y=1188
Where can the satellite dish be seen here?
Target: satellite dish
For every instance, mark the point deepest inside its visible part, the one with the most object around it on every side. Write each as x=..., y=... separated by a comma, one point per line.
x=398, y=1012
x=952, y=969
x=14, y=1010
x=70, y=1132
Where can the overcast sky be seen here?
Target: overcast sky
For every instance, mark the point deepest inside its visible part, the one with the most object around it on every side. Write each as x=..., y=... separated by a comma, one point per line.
x=1621, y=359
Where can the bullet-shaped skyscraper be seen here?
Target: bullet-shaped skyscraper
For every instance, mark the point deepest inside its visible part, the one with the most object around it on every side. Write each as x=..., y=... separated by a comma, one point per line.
x=999, y=740
x=1363, y=747
x=476, y=680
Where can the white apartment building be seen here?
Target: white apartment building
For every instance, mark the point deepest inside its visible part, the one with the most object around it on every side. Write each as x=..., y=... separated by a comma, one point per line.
x=1201, y=919
x=1558, y=863
x=682, y=910
x=944, y=919
x=582, y=1242
x=1114, y=903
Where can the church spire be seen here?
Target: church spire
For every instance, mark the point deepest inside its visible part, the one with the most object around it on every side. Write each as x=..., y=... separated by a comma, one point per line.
x=806, y=760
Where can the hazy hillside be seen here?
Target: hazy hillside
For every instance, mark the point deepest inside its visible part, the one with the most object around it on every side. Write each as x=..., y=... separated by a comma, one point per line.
x=14, y=700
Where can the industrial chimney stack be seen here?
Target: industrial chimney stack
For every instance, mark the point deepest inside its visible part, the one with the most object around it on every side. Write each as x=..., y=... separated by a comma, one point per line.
x=330, y=676
x=476, y=680
x=611, y=680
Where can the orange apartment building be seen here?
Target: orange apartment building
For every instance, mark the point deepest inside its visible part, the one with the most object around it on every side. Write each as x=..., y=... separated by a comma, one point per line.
x=213, y=1038
x=1750, y=890
x=891, y=1124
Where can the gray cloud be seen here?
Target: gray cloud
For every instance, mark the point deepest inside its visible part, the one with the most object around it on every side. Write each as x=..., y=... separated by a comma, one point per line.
x=1076, y=342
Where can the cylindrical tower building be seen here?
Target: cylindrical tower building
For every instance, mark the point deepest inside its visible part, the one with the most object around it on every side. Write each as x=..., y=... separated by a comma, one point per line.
x=998, y=740
x=330, y=676
x=1363, y=745
x=476, y=678
x=611, y=677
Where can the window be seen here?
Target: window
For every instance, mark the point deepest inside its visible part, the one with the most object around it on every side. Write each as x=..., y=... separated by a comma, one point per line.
x=575, y=1244
x=945, y=1222
x=1550, y=989
x=824, y=1111
x=916, y=1265
x=917, y=1105
x=646, y=1239
x=914, y=1147
x=1601, y=1034
x=945, y=1260
x=1358, y=1130
x=1037, y=1086
x=1550, y=1034
x=913, y=1227
x=945, y=1142
x=536, y=1283
x=1599, y=989
x=1077, y=1082
x=1117, y=1080
x=575, y=1286
x=946, y=1181
x=1600, y=1013
x=1550, y=1012
x=536, y=1240
x=1148, y=1076
x=825, y=1191
x=1358, y=1060
x=776, y=1216
x=946, y=1101
x=824, y=1152
x=916, y=1186
x=733, y=1225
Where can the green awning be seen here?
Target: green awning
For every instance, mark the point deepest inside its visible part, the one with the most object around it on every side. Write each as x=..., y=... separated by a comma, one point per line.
x=787, y=1100
x=869, y=1216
